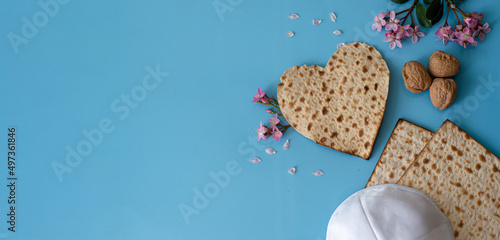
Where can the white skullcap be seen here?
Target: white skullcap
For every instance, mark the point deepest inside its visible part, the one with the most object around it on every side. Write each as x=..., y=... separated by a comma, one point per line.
x=389, y=211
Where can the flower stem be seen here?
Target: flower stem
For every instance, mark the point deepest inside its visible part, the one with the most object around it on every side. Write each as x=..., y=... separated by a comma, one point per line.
x=403, y=20
x=461, y=11
x=456, y=15
x=447, y=13
x=402, y=11
x=284, y=128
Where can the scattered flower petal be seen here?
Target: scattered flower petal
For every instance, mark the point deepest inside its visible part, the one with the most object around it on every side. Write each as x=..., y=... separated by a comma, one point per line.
x=333, y=17
x=317, y=21
x=293, y=16
x=340, y=45
x=318, y=173
x=270, y=151
x=286, y=146
x=337, y=32
x=255, y=160
x=290, y=34
x=292, y=170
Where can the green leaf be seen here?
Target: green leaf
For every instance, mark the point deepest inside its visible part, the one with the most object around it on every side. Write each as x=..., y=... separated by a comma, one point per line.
x=434, y=11
x=427, y=1
x=438, y=17
x=421, y=16
x=399, y=1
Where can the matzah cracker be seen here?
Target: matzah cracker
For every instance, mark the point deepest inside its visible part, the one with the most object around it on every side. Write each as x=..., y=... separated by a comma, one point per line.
x=463, y=178
x=404, y=145
x=342, y=105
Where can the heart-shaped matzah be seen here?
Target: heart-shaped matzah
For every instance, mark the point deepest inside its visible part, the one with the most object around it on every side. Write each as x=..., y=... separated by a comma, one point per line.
x=342, y=105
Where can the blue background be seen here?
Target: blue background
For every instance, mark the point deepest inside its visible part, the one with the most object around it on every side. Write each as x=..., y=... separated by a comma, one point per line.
x=133, y=183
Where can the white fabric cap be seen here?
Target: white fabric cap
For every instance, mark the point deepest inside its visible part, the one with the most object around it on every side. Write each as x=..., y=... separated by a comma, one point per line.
x=389, y=211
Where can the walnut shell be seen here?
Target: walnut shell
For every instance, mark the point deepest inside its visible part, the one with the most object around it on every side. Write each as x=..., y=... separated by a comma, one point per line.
x=443, y=65
x=416, y=77
x=443, y=92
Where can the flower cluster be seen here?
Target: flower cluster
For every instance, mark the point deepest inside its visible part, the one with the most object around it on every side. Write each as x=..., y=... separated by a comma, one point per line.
x=276, y=129
x=465, y=32
x=396, y=31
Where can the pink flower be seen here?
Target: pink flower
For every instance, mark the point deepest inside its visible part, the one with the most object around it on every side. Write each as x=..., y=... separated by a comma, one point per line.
x=274, y=120
x=259, y=96
x=270, y=111
x=477, y=16
x=471, y=22
x=276, y=133
x=379, y=22
x=415, y=34
x=483, y=30
x=402, y=31
x=444, y=33
x=393, y=40
x=465, y=37
x=393, y=21
x=261, y=132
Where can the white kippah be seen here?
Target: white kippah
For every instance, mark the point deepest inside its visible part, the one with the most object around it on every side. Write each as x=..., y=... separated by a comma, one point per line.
x=389, y=211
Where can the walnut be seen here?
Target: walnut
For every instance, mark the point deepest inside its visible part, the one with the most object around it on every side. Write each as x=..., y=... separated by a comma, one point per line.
x=443, y=92
x=416, y=77
x=443, y=65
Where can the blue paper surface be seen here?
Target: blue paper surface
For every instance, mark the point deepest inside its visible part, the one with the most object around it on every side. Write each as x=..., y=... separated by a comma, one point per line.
x=133, y=119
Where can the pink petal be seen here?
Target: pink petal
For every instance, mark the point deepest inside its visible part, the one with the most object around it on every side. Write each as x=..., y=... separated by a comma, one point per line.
x=398, y=43
x=333, y=17
x=286, y=146
x=392, y=45
x=290, y=34
x=375, y=26
x=414, y=39
x=318, y=173
x=337, y=32
x=270, y=151
x=293, y=16
x=292, y=170
x=340, y=45
x=317, y=21
x=255, y=160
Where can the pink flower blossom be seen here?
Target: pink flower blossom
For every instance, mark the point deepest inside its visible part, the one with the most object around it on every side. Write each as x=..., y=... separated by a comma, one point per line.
x=444, y=33
x=276, y=133
x=483, y=30
x=471, y=22
x=270, y=111
x=465, y=37
x=402, y=31
x=392, y=39
x=379, y=22
x=393, y=21
x=259, y=96
x=477, y=16
x=415, y=34
x=261, y=132
x=274, y=120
